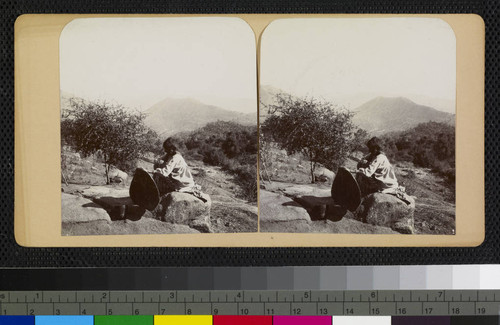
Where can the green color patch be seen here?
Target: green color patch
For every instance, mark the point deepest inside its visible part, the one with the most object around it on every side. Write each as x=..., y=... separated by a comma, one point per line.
x=124, y=320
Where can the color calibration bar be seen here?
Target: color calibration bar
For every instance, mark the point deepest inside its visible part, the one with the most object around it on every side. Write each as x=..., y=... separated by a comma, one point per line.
x=444, y=277
x=248, y=320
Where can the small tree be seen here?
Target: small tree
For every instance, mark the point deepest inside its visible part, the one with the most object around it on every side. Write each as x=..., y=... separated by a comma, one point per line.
x=320, y=131
x=119, y=135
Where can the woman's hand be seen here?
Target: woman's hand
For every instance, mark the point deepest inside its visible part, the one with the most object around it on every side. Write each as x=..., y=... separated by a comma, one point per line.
x=159, y=163
x=362, y=163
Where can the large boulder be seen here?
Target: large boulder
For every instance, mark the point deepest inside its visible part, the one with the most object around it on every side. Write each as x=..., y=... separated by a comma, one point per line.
x=186, y=209
x=117, y=176
x=104, y=191
x=75, y=209
x=125, y=227
x=115, y=201
x=278, y=213
x=349, y=226
x=294, y=190
x=278, y=208
x=388, y=211
x=295, y=226
x=321, y=207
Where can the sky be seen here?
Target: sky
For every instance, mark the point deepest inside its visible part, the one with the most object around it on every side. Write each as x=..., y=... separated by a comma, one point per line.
x=138, y=62
x=352, y=60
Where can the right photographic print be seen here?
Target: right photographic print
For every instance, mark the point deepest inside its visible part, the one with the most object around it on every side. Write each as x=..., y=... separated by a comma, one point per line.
x=357, y=126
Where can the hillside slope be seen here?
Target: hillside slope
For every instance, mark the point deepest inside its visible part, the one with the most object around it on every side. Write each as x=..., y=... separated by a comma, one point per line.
x=382, y=115
x=173, y=115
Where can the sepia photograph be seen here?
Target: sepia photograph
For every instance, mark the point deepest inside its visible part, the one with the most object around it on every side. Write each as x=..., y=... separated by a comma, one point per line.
x=357, y=126
x=158, y=126
x=288, y=130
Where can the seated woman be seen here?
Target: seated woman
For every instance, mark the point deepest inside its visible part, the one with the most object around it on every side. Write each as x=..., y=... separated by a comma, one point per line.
x=375, y=173
x=171, y=173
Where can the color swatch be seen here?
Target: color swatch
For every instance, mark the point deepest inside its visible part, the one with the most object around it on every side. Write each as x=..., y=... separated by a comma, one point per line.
x=243, y=320
x=302, y=320
x=361, y=320
x=17, y=320
x=123, y=320
x=64, y=320
x=183, y=320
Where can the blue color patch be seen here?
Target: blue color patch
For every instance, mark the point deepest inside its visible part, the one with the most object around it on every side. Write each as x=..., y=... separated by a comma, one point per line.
x=17, y=320
x=64, y=320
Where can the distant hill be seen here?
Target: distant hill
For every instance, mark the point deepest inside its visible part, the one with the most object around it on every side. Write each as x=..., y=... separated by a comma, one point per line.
x=383, y=114
x=173, y=115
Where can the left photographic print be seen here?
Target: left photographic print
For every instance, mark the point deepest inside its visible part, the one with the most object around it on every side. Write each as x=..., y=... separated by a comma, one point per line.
x=158, y=126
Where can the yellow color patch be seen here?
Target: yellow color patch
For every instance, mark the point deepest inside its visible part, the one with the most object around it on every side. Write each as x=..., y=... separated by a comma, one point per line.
x=183, y=320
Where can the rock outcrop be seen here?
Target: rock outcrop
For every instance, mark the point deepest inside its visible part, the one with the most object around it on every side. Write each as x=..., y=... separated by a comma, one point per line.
x=76, y=209
x=277, y=208
x=388, y=211
x=115, y=201
x=185, y=209
x=294, y=208
x=108, y=203
x=321, y=207
x=279, y=213
x=117, y=176
x=125, y=227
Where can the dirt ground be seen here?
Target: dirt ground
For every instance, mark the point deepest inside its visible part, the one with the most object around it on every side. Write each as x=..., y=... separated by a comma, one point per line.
x=435, y=200
x=229, y=213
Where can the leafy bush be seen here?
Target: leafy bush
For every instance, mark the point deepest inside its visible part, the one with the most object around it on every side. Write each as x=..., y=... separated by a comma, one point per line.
x=214, y=157
x=320, y=131
x=118, y=135
x=429, y=145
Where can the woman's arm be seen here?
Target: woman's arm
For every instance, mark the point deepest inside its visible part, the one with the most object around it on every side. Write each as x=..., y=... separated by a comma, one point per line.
x=371, y=168
x=167, y=169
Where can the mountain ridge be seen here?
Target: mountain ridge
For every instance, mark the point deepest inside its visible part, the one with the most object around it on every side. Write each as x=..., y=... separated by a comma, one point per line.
x=173, y=115
x=388, y=114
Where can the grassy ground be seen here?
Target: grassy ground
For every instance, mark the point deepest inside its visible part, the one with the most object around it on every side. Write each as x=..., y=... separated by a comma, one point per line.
x=280, y=167
x=76, y=170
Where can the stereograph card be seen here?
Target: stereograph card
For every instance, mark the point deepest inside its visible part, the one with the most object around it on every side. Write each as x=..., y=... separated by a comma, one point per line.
x=249, y=130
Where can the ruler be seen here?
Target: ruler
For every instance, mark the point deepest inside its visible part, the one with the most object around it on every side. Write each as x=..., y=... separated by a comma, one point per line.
x=253, y=302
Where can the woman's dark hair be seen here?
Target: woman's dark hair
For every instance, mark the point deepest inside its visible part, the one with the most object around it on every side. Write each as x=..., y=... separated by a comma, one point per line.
x=169, y=147
x=374, y=145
